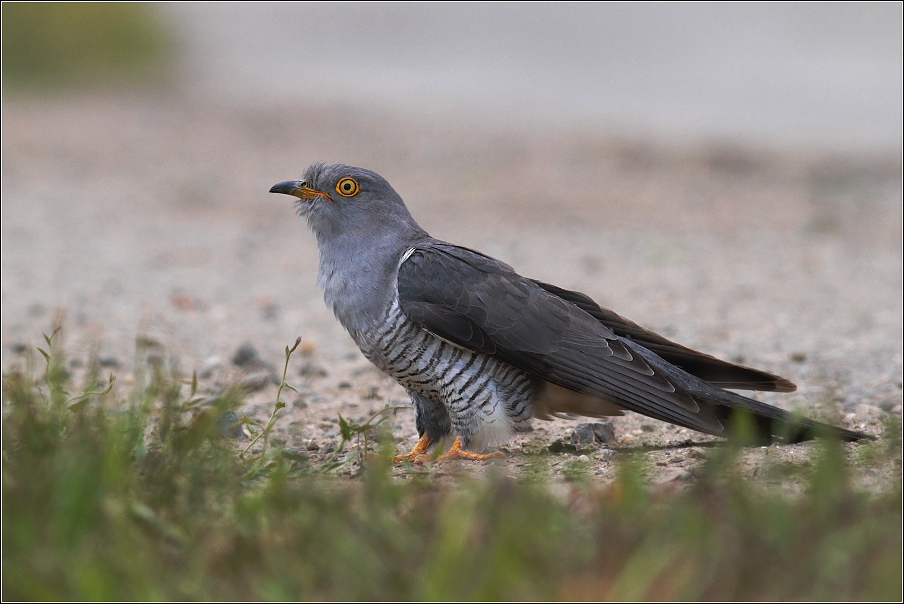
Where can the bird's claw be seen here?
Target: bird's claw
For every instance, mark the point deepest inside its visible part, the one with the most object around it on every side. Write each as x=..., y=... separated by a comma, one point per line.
x=418, y=454
x=456, y=452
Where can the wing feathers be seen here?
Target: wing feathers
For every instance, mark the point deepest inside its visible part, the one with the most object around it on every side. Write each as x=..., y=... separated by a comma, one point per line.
x=715, y=371
x=466, y=299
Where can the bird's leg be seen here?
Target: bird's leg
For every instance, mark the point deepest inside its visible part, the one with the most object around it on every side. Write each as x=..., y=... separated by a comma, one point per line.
x=456, y=452
x=417, y=453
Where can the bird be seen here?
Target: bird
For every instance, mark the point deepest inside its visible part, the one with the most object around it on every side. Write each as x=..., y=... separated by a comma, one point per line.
x=480, y=348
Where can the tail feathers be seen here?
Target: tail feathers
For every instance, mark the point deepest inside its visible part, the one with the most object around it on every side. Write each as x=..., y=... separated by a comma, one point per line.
x=765, y=423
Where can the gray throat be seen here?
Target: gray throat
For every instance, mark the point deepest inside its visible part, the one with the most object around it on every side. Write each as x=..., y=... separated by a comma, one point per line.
x=359, y=276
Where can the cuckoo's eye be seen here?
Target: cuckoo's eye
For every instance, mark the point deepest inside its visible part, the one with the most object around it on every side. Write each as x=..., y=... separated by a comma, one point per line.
x=347, y=187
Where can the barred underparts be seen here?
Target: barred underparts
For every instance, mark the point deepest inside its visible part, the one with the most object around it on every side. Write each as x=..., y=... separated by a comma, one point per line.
x=482, y=396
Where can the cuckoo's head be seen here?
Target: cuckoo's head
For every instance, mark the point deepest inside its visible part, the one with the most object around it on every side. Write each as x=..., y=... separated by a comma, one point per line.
x=344, y=199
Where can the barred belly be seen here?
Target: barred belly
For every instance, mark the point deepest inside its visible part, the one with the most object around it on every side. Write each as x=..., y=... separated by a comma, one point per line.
x=482, y=395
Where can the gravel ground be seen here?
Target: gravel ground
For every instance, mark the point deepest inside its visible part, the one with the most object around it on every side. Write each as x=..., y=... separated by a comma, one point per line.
x=147, y=220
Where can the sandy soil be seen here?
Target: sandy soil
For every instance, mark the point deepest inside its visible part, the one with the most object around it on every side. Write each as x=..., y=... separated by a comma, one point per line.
x=148, y=220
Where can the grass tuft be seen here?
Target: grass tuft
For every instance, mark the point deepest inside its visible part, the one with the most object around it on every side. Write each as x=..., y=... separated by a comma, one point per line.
x=150, y=498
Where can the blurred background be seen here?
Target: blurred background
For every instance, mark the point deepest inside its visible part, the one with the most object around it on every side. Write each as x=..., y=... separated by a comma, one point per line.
x=783, y=73
x=729, y=175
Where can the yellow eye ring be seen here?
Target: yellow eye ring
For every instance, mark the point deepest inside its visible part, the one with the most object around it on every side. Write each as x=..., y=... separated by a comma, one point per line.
x=347, y=187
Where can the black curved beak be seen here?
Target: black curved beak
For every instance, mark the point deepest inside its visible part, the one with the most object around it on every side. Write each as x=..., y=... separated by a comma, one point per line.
x=299, y=189
x=288, y=187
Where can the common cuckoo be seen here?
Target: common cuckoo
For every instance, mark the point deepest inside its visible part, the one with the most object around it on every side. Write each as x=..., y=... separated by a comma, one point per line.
x=480, y=348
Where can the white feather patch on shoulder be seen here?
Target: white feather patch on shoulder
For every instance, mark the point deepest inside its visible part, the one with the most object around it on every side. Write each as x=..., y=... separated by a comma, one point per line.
x=406, y=255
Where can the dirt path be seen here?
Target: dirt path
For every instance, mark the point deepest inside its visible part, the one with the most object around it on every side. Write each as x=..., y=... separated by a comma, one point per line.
x=150, y=218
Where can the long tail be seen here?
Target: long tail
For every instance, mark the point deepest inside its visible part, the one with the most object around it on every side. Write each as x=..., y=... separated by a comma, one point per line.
x=770, y=424
x=767, y=423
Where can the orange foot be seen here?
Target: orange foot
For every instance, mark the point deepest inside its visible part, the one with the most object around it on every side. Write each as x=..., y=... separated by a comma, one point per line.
x=456, y=452
x=418, y=454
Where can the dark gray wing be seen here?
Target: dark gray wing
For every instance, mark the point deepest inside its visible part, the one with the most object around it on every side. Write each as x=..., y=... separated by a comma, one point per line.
x=715, y=371
x=483, y=305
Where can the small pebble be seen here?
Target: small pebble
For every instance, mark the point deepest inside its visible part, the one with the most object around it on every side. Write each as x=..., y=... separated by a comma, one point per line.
x=582, y=434
x=256, y=381
x=270, y=311
x=107, y=360
x=797, y=357
x=184, y=301
x=312, y=370
x=246, y=355
x=590, y=432
x=208, y=366
x=676, y=475
x=557, y=446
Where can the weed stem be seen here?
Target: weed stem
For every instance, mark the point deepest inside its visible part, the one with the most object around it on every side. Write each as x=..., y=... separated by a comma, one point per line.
x=278, y=404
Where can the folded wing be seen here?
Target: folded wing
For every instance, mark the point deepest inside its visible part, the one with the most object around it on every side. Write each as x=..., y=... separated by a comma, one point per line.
x=483, y=305
x=715, y=371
